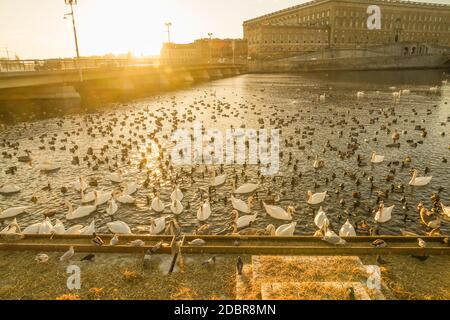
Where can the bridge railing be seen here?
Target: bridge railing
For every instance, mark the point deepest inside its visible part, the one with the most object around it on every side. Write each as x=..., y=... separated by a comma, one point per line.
x=70, y=64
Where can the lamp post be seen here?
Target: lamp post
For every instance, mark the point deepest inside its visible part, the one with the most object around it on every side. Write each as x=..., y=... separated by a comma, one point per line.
x=71, y=3
x=168, y=25
x=210, y=47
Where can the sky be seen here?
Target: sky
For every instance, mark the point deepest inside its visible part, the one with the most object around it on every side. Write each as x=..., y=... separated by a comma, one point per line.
x=36, y=29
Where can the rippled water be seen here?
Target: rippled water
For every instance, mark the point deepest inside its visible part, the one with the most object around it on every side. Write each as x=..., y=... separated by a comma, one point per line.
x=287, y=102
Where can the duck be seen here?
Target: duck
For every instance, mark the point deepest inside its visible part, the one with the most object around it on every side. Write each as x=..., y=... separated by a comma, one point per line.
x=321, y=219
x=96, y=240
x=204, y=212
x=9, y=189
x=157, y=204
x=384, y=214
x=118, y=227
x=112, y=207
x=419, y=181
x=316, y=198
x=116, y=177
x=240, y=205
x=80, y=212
x=157, y=225
x=245, y=188
x=278, y=212
x=285, y=230
x=176, y=207
x=176, y=194
x=376, y=158
x=13, y=212
x=347, y=230
x=243, y=221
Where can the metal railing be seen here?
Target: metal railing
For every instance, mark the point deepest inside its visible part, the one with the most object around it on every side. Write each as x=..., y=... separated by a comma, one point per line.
x=70, y=64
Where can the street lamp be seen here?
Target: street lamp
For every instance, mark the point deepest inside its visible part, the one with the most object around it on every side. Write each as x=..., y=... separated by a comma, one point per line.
x=72, y=3
x=168, y=25
x=210, y=47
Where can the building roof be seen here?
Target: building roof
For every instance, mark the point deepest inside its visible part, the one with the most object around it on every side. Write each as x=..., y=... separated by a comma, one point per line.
x=369, y=2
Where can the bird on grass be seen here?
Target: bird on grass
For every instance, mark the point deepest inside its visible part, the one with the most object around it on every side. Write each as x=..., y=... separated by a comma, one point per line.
x=381, y=260
x=67, y=255
x=209, y=262
x=96, y=240
x=239, y=266
x=148, y=258
x=90, y=257
x=41, y=258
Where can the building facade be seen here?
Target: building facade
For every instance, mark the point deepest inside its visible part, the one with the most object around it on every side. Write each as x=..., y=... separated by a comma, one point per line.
x=205, y=51
x=342, y=24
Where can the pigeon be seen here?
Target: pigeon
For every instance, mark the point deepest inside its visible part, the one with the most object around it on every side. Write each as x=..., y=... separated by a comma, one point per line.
x=209, y=262
x=421, y=243
x=68, y=255
x=41, y=258
x=114, y=240
x=379, y=243
x=239, y=266
x=96, y=240
x=90, y=257
x=197, y=242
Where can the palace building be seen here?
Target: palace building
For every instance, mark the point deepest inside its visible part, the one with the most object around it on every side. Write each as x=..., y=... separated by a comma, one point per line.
x=342, y=24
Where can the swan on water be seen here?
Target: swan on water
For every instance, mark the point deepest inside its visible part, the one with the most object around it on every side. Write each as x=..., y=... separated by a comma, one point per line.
x=76, y=229
x=115, y=177
x=13, y=227
x=87, y=197
x=204, y=212
x=176, y=194
x=118, y=227
x=80, y=184
x=102, y=197
x=245, y=188
x=332, y=238
x=32, y=229
x=59, y=227
x=9, y=189
x=88, y=230
x=376, y=158
x=46, y=227
x=125, y=199
x=13, y=212
x=321, y=219
x=112, y=207
x=360, y=94
x=130, y=188
x=278, y=212
x=384, y=214
x=157, y=204
x=240, y=205
x=176, y=207
x=80, y=212
x=157, y=225
x=285, y=230
x=445, y=210
x=243, y=221
x=316, y=198
x=217, y=181
x=48, y=166
x=419, y=181
x=347, y=230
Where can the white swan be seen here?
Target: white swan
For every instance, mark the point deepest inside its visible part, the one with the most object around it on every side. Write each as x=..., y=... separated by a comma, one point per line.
x=46, y=227
x=419, y=181
x=157, y=225
x=445, y=210
x=176, y=207
x=76, y=229
x=321, y=219
x=245, y=188
x=112, y=207
x=87, y=197
x=130, y=188
x=204, y=212
x=125, y=199
x=80, y=184
x=118, y=227
x=278, y=212
x=376, y=158
x=32, y=229
x=243, y=221
x=88, y=230
x=286, y=230
x=347, y=230
x=317, y=163
x=48, y=166
x=9, y=189
x=115, y=177
x=322, y=97
x=80, y=212
x=217, y=181
x=240, y=205
x=12, y=228
x=59, y=227
x=13, y=212
x=102, y=197
x=176, y=194
x=383, y=214
x=360, y=94
x=157, y=204
x=316, y=198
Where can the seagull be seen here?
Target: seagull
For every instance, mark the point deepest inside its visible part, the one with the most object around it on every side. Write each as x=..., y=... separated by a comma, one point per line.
x=114, y=240
x=68, y=255
x=210, y=261
x=41, y=258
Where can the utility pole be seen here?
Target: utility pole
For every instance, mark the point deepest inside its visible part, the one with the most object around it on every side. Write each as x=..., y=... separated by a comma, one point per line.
x=210, y=47
x=71, y=3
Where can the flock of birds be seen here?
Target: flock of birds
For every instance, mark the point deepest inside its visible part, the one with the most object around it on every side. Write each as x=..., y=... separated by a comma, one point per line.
x=137, y=139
